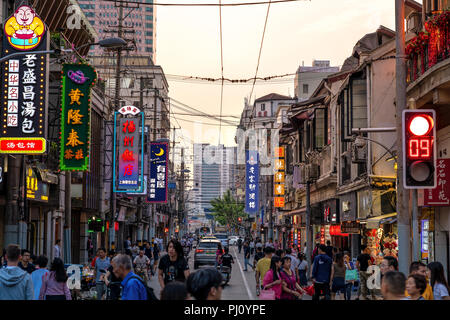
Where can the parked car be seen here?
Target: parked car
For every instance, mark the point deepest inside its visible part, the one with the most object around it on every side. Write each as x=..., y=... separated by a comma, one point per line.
x=223, y=237
x=205, y=253
x=232, y=240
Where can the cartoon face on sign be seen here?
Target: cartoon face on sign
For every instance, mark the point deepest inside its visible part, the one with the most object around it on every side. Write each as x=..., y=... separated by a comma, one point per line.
x=24, y=30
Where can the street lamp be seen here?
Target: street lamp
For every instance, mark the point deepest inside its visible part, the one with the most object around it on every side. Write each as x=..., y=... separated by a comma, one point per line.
x=108, y=43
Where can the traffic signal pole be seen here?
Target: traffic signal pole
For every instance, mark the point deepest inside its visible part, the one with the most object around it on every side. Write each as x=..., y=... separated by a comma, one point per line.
x=403, y=217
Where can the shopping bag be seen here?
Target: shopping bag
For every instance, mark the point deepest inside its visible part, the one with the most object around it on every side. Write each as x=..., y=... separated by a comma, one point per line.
x=267, y=295
x=351, y=275
x=309, y=290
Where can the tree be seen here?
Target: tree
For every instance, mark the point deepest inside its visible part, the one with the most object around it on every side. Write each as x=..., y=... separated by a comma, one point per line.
x=226, y=210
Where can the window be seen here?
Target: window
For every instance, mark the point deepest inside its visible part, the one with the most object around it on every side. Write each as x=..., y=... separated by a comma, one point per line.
x=148, y=17
x=344, y=115
x=149, y=9
x=92, y=22
x=148, y=41
x=148, y=49
x=359, y=103
x=149, y=33
x=263, y=107
x=149, y=25
x=305, y=88
x=319, y=126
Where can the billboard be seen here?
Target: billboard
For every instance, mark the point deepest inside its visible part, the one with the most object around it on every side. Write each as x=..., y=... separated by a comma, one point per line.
x=24, y=82
x=77, y=81
x=159, y=160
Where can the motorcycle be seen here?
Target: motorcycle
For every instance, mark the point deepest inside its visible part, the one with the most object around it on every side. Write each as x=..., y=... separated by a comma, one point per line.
x=226, y=273
x=142, y=272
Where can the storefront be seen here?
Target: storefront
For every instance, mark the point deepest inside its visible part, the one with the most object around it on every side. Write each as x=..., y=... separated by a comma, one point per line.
x=348, y=208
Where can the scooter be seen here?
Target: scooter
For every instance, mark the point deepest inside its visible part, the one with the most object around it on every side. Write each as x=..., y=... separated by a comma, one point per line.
x=226, y=273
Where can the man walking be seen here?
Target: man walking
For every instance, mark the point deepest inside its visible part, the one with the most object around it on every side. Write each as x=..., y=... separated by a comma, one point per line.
x=239, y=243
x=393, y=286
x=101, y=266
x=133, y=287
x=362, y=263
x=25, y=264
x=57, y=249
x=246, y=256
x=321, y=274
x=262, y=267
x=15, y=283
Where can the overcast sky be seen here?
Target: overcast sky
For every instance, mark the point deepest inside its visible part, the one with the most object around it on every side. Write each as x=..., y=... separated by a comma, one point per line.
x=188, y=43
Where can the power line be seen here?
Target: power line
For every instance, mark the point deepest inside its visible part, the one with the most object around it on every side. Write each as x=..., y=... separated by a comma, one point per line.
x=260, y=50
x=237, y=4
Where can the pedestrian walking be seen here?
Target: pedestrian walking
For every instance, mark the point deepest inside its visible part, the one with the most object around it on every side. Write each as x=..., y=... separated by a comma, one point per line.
x=280, y=253
x=388, y=263
x=112, y=282
x=15, y=283
x=175, y=291
x=393, y=285
x=205, y=284
x=415, y=286
x=419, y=268
x=133, y=286
x=262, y=267
x=438, y=282
x=134, y=251
x=294, y=263
x=173, y=266
x=239, y=243
x=315, y=251
x=258, y=255
x=54, y=284
x=25, y=263
x=338, y=276
x=252, y=247
x=247, y=256
x=155, y=252
x=321, y=274
x=102, y=264
x=57, y=249
x=37, y=275
x=351, y=274
x=290, y=286
x=127, y=246
x=302, y=269
x=219, y=253
x=272, y=279
x=329, y=249
x=363, y=262
x=90, y=248
x=270, y=243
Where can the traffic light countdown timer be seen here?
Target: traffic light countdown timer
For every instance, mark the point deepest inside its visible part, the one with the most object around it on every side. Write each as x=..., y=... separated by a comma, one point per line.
x=419, y=149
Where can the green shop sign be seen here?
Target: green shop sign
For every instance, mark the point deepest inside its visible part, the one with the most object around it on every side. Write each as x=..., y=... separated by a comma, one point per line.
x=77, y=81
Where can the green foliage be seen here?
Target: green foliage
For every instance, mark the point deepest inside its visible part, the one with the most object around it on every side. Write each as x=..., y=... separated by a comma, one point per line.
x=226, y=210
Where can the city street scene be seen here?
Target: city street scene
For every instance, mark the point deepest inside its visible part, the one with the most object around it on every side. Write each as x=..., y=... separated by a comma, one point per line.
x=225, y=150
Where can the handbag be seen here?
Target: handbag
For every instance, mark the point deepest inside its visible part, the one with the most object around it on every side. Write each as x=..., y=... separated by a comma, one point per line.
x=267, y=295
x=351, y=275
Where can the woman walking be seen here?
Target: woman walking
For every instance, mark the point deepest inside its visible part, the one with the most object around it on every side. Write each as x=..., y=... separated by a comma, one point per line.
x=291, y=289
x=54, y=283
x=338, y=276
x=272, y=279
x=348, y=283
x=438, y=283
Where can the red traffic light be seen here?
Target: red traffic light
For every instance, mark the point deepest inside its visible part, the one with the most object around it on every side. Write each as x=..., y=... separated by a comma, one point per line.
x=240, y=219
x=421, y=125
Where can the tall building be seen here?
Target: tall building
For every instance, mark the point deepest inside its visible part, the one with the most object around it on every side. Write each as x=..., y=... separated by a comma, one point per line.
x=104, y=18
x=307, y=79
x=214, y=174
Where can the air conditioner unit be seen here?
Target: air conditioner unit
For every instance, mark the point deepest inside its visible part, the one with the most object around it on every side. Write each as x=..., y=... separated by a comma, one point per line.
x=302, y=174
x=359, y=154
x=312, y=171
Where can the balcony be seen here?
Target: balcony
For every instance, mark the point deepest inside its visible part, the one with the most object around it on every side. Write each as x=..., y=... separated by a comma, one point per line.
x=430, y=47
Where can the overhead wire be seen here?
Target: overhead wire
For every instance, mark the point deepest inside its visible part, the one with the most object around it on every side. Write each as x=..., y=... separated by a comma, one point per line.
x=235, y=4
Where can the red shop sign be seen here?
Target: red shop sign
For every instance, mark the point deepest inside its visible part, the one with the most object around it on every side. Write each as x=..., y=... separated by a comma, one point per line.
x=439, y=196
x=335, y=230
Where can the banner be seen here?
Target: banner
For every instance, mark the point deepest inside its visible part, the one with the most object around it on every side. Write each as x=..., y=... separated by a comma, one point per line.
x=279, y=178
x=24, y=81
x=251, y=182
x=439, y=196
x=159, y=160
x=130, y=176
x=77, y=81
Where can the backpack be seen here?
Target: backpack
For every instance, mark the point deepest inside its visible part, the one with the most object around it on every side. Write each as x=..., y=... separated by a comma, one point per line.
x=150, y=294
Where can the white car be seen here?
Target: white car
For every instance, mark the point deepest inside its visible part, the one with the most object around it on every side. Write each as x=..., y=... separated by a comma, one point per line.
x=232, y=241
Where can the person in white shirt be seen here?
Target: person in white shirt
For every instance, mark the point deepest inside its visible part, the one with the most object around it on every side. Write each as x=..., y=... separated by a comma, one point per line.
x=252, y=247
x=294, y=262
x=57, y=249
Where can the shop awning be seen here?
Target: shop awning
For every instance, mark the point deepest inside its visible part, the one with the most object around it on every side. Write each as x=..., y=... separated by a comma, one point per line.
x=383, y=219
x=298, y=211
x=384, y=216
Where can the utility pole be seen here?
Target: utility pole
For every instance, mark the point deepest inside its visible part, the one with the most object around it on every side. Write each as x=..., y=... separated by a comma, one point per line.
x=403, y=216
x=67, y=218
x=113, y=207
x=309, y=236
x=183, y=225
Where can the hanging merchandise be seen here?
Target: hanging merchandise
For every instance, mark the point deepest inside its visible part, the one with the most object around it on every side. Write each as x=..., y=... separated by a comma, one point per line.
x=390, y=245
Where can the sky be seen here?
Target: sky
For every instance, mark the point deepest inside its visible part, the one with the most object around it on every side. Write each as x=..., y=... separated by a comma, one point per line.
x=188, y=43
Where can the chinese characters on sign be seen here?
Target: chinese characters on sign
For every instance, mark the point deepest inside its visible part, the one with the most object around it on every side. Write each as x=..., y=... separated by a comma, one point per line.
x=128, y=140
x=77, y=81
x=251, y=182
x=440, y=195
x=279, y=177
x=157, y=190
x=24, y=84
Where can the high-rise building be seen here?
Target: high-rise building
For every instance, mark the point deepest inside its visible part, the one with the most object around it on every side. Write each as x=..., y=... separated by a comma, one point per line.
x=104, y=18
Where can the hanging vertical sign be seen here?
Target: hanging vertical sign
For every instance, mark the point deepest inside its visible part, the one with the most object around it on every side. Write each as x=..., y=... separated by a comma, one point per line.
x=159, y=159
x=77, y=81
x=251, y=182
x=24, y=81
x=130, y=176
x=279, y=177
